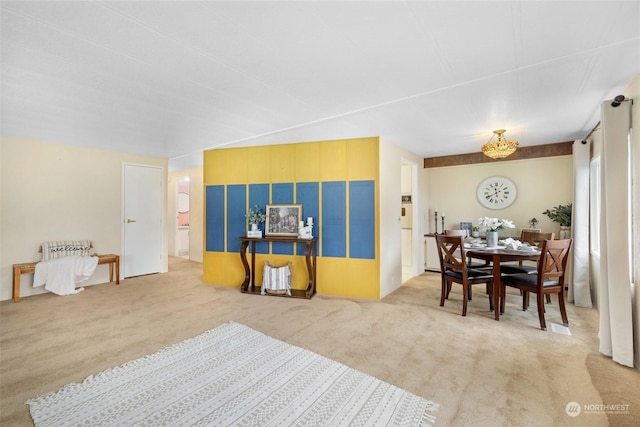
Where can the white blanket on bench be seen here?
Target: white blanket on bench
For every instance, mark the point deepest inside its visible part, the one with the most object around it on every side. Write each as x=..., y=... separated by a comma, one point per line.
x=61, y=275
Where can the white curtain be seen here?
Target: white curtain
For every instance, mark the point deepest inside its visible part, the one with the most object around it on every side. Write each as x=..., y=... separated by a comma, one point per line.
x=615, y=299
x=579, y=283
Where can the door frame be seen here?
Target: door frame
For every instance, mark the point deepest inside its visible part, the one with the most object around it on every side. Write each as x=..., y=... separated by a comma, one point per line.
x=164, y=267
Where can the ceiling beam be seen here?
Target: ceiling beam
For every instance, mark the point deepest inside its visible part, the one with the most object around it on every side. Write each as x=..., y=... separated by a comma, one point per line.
x=531, y=152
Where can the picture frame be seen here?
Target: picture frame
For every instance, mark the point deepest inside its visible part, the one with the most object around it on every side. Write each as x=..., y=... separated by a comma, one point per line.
x=283, y=220
x=466, y=226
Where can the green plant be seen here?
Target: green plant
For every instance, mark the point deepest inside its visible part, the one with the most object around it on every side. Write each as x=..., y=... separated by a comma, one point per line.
x=560, y=214
x=475, y=228
x=254, y=216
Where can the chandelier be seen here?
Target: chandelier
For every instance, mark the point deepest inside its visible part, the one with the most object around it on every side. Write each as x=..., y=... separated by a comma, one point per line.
x=501, y=148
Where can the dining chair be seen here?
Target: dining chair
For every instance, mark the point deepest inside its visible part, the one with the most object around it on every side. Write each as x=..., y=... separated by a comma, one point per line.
x=470, y=262
x=453, y=268
x=548, y=279
x=533, y=239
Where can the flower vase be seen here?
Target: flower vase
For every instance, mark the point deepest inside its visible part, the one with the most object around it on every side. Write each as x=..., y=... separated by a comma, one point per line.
x=492, y=239
x=565, y=232
x=254, y=232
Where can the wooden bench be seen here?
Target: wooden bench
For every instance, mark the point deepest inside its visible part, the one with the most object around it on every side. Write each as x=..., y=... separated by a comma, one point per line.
x=30, y=268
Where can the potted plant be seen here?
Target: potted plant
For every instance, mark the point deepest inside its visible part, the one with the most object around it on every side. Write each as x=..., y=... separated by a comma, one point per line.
x=562, y=215
x=254, y=217
x=492, y=226
x=475, y=231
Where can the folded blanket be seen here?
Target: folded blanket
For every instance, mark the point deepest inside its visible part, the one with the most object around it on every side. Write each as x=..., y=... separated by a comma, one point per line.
x=61, y=275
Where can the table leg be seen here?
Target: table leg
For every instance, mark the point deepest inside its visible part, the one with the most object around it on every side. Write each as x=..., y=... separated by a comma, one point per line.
x=496, y=286
x=17, y=271
x=117, y=269
x=310, y=270
x=243, y=256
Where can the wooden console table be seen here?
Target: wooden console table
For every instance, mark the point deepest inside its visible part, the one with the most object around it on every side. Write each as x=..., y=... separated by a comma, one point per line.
x=30, y=267
x=249, y=284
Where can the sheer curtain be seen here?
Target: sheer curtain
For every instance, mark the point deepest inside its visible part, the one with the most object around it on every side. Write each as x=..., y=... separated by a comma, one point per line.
x=615, y=299
x=579, y=283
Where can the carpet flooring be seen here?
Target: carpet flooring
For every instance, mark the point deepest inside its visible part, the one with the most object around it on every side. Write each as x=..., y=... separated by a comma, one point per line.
x=481, y=372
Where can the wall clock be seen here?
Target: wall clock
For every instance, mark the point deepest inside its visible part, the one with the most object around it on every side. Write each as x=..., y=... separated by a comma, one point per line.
x=497, y=192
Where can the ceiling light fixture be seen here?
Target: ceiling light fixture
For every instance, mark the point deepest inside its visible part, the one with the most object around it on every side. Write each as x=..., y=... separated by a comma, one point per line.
x=501, y=148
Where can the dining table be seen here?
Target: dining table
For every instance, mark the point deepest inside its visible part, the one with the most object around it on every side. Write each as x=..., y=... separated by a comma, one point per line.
x=497, y=255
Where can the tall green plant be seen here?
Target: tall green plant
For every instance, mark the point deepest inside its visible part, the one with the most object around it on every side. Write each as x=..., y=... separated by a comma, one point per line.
x=560, y=214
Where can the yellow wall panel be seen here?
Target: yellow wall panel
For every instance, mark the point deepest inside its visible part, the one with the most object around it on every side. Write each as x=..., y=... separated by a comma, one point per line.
x=216, y=167
x=332, y=276
x=222, y=268
x=236, y=165
x=362, y=278
x=333, y=159
x=283, y=161
x=362, y=159
x=307, y=165
x=258, y=164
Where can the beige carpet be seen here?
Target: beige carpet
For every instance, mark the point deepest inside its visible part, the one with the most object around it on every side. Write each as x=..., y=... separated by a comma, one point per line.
x=480, y=371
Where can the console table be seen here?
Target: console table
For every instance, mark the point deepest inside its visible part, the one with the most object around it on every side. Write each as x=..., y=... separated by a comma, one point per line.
x=249, y=284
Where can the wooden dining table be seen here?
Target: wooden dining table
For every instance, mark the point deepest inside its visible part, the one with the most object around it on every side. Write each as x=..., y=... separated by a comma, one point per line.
x=496, y=256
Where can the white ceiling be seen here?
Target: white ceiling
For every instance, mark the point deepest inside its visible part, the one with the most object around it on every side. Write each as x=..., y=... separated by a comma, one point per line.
x=170, y=79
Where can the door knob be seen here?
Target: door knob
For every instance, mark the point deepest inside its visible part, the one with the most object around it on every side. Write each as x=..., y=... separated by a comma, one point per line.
x=130, y=220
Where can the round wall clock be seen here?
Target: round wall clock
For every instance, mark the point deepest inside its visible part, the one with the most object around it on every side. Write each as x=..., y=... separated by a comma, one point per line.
x=497, y=192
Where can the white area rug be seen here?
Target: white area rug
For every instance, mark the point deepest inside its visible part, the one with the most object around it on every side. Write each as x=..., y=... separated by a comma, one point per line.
x=228, y=376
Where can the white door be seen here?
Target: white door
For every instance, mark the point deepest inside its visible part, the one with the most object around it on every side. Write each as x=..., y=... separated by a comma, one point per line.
x=142, y=216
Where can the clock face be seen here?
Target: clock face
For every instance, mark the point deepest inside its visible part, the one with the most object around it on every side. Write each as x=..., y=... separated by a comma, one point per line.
x=497, y=192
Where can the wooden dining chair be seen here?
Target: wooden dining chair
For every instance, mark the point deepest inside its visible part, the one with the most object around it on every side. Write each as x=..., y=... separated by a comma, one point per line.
x=548, y=279
x=533, y=238
x=453, y=268
x=470, y=262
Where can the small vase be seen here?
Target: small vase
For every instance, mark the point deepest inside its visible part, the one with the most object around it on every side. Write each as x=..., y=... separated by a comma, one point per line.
x=254, y=227
x=565, y=232
x=475, y=234
x=492, y=239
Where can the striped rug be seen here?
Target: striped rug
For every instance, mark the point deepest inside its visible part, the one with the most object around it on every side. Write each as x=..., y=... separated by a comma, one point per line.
x=228, y=376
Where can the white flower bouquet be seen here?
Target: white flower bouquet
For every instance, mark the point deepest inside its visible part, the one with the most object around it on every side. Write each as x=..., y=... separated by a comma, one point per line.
x=494, y=224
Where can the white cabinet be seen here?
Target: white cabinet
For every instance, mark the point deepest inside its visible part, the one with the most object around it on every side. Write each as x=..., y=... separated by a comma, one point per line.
x=431, y=261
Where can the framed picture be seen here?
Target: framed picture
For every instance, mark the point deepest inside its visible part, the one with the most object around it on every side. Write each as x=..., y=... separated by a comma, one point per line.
x=466, y=226
x=283, y=220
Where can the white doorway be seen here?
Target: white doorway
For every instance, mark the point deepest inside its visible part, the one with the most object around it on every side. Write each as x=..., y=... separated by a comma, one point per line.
x=143, y=226
x=408, y=184
x=183, y=202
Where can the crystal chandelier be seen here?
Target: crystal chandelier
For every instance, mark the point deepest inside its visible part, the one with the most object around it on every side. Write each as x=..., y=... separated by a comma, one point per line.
x=501, y=148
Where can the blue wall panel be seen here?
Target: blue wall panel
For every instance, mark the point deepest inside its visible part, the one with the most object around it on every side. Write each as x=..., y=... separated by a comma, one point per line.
x=236, y=209
x=259, y=195
x=215, y=218
x=282, y=193
x=362, y=219
x=334, y=219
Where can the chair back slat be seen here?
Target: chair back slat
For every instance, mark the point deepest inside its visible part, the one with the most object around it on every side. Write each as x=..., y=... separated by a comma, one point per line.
x=451, y=253
x=535, y=238
x=553, y=261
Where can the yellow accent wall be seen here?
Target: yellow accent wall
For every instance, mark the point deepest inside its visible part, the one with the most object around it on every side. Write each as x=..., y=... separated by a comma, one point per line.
x=321, y=161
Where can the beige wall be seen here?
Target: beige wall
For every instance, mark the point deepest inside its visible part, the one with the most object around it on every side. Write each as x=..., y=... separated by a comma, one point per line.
x=541, y=183
x=58, y=192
